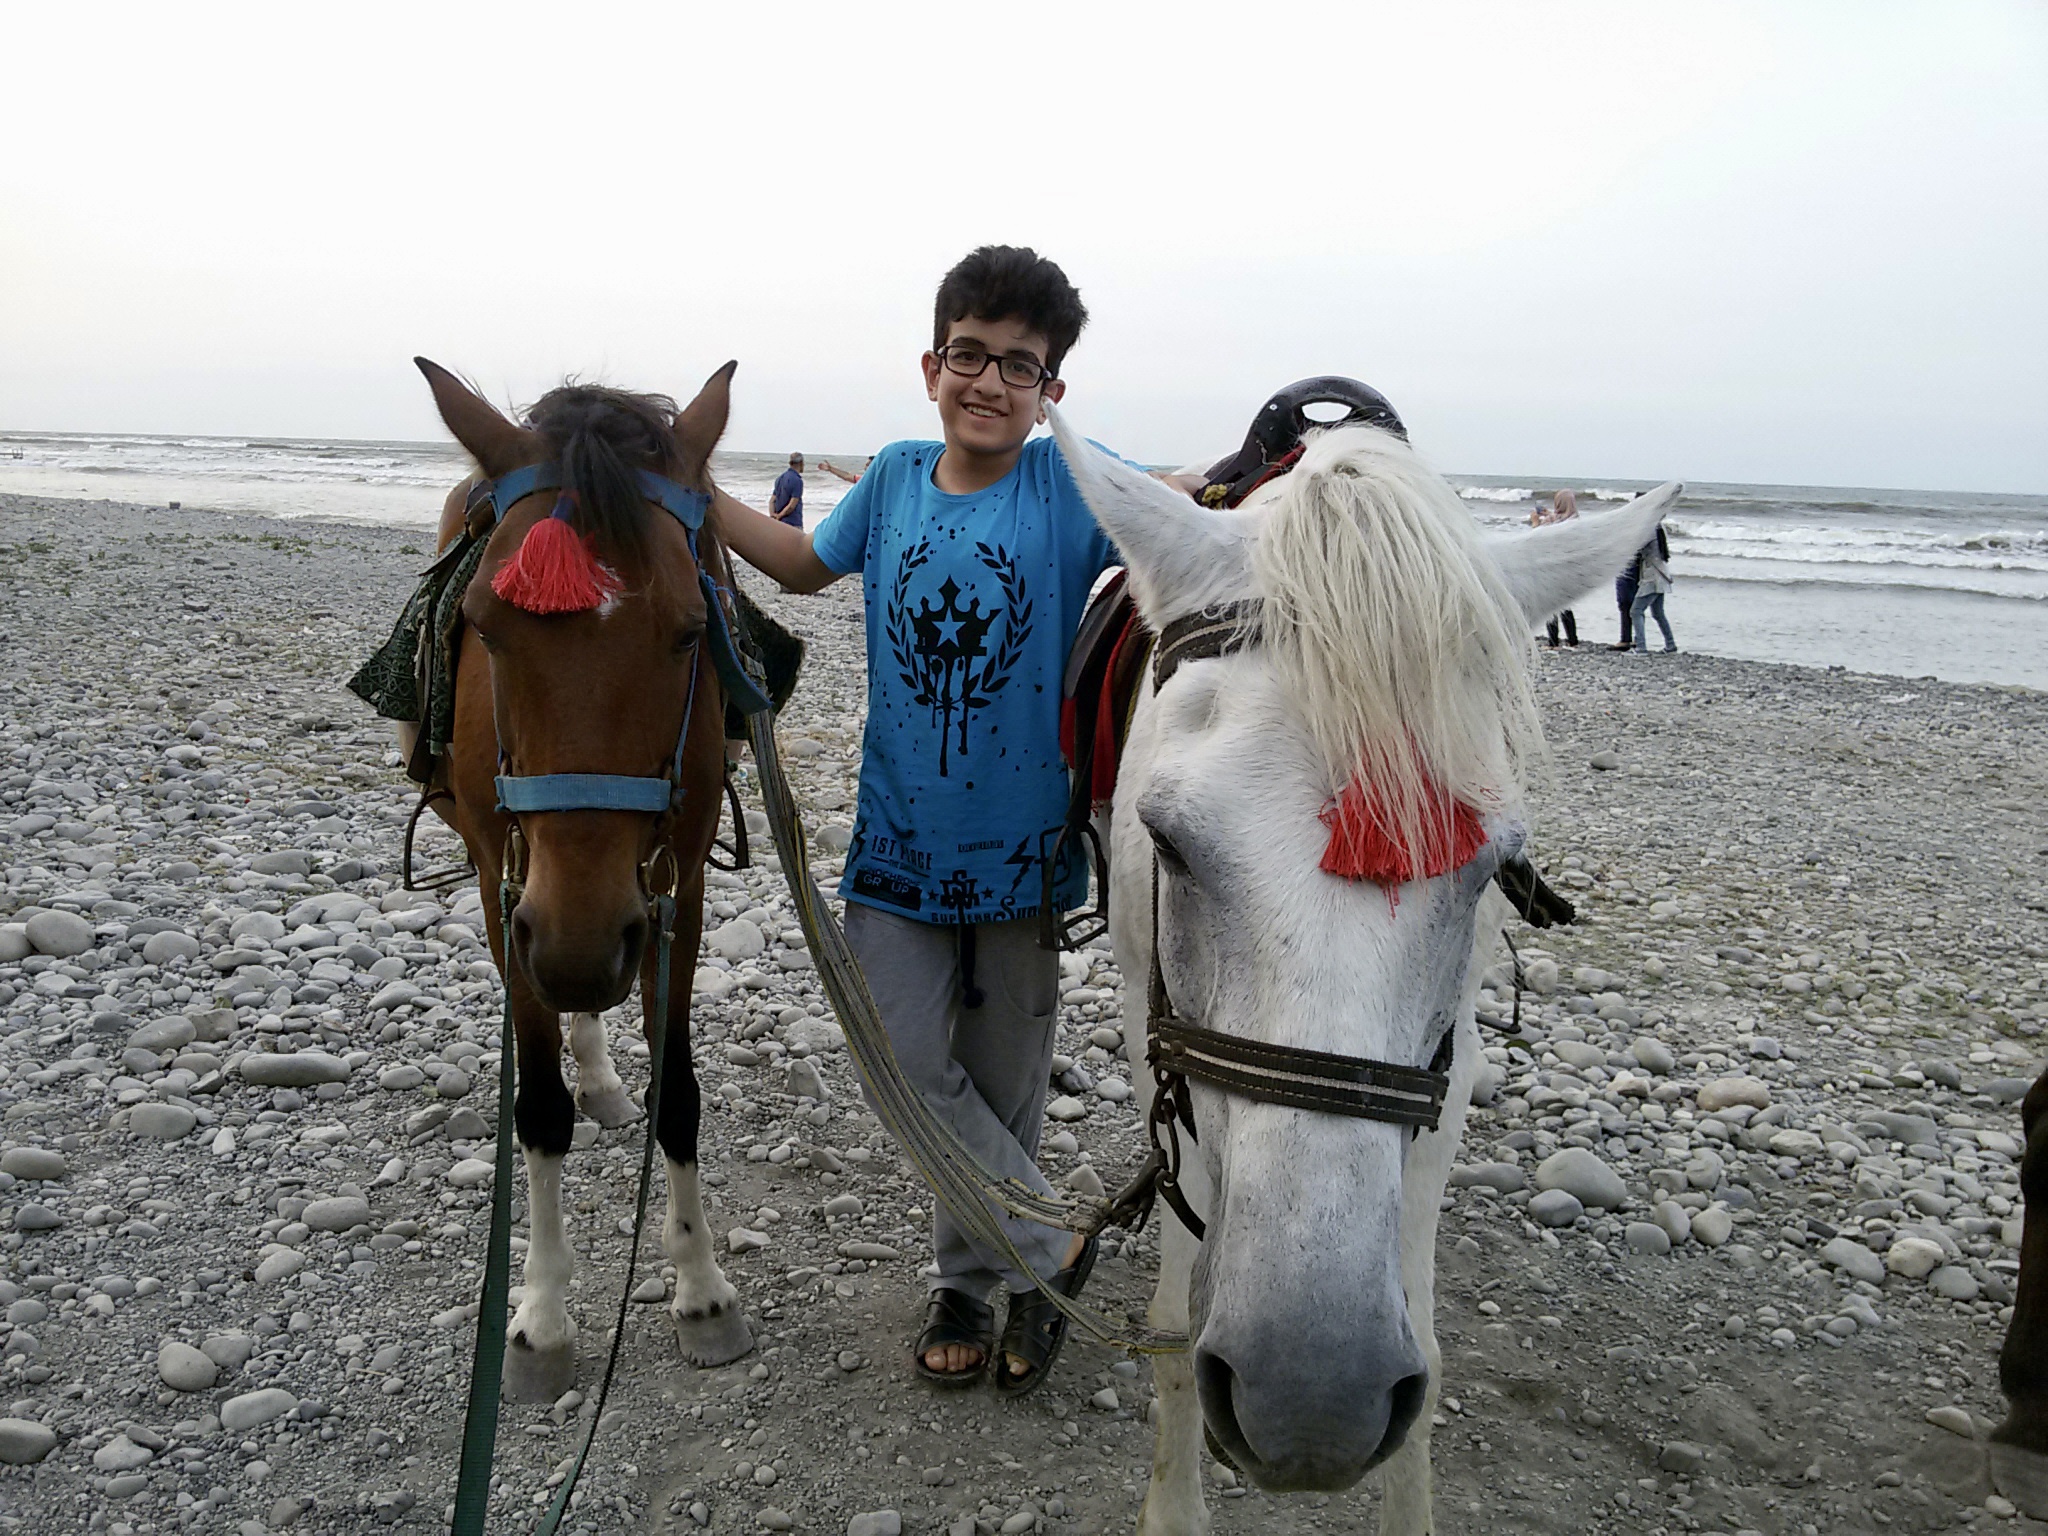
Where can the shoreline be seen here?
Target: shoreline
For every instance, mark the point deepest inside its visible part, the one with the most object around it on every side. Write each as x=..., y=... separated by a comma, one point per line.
x=1736, y=616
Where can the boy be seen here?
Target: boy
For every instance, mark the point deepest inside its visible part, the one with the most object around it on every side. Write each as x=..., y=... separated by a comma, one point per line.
x=977, y=554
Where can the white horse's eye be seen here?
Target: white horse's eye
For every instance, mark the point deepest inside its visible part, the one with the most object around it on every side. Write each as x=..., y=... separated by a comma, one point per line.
x=1168, y=854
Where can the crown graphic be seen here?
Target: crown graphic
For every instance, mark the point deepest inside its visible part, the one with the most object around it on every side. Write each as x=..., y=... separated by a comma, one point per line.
x=951, y=633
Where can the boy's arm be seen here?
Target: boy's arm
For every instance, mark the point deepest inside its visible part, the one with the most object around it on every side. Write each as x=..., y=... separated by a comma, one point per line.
x=833, y=469
x=774, y=548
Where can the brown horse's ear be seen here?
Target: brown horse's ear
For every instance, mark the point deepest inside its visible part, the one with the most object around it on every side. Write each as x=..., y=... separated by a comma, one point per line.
x=496, y=444
x=701, y=423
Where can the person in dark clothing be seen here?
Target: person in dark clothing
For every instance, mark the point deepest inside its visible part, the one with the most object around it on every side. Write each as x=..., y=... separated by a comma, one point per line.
x=786, y=501
x=1625, y=599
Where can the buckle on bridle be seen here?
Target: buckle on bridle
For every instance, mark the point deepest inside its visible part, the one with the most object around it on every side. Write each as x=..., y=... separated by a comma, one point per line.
x=514, y=859
x=660, y=861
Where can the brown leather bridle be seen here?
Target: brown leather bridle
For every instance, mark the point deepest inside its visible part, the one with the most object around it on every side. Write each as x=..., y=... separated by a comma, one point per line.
x=1178, y=1051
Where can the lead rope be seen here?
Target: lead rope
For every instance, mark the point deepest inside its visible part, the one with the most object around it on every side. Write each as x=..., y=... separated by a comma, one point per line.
x=480, y=1422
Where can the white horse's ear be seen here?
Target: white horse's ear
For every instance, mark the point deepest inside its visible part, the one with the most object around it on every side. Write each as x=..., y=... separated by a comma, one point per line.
x=1546, y=568
x=1181, y=555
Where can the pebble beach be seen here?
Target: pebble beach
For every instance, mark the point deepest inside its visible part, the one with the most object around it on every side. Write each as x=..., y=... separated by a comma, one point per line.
x=1730, y=1248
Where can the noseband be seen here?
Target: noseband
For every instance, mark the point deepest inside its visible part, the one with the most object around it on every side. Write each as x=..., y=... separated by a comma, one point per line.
x=518, y=793
x=1356, y=1086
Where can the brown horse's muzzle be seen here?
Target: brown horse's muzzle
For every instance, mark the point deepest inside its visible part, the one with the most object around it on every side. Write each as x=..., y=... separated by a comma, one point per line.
x=581, y=925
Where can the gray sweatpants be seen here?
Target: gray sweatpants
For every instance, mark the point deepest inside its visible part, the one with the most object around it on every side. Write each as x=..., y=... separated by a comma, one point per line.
x=984, y=1071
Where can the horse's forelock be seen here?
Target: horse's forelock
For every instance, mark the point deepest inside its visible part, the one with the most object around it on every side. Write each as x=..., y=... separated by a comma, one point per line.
x=1395, y=636
x=602, y=437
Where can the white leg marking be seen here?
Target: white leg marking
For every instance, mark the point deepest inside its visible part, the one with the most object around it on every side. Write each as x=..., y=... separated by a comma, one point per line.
x=1173, y=1502
x=543, y=1320
x=701, y=1288
x=600, y=1091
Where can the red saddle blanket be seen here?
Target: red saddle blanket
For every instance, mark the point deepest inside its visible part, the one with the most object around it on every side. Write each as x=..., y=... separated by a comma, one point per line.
x=1103, y=672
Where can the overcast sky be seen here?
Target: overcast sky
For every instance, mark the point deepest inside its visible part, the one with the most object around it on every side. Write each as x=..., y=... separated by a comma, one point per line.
x=1800, y=242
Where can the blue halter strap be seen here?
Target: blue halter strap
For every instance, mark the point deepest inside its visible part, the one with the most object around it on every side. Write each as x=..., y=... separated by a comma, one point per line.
x=616, y=791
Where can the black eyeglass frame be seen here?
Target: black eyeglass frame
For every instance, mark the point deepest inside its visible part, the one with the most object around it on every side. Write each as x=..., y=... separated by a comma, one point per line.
x=953, y=349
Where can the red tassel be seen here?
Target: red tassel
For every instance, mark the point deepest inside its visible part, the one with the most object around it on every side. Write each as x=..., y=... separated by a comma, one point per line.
x=555, y=571
x=1362, y=847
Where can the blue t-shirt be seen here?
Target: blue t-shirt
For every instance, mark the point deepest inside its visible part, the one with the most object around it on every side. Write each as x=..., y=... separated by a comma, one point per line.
x=972, y=604
x=787, y=499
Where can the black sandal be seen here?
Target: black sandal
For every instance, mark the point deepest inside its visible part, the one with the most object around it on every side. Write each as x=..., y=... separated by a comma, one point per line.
x=954, y=1317
x=1036, y=1329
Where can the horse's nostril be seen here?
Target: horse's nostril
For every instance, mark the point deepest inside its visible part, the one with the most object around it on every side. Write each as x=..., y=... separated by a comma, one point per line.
x=1216, y=1385
x=1404, y=1407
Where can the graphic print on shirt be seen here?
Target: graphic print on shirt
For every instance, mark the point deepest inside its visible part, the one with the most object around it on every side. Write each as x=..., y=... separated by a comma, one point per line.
x=943, y=650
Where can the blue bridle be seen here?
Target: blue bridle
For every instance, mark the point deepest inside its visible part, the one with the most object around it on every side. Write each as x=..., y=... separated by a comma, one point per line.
x=617, y=791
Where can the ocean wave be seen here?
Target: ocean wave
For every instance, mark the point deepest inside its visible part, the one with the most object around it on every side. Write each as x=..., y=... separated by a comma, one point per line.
x=2016, y=586
x=1496, y=493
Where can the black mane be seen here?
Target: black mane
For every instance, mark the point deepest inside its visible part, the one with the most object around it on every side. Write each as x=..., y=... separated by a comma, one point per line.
x=602, y=437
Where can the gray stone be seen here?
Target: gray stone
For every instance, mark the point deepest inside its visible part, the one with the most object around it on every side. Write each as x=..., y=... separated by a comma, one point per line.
x=1604, y=762
x=815, y=1035
x=337, y=1214
x=170, y=1034
x=253, y=1408
x=279, y=1264
x=1653, y=1055
x=285, y=861
x=62, y=934
x=879, y=1522
x=738, y=938
x=1066, y=1108
x=1579, y=1054
x=36, y=1218
x=24, y=1442
x=401, y=1078
x=183, y=1368
x=1681, y=1458
x=1954, y=1282
x=162, y=1122
x=1502, y=1178
x=229, y=1351
x=1674, y=1218
x=1853, y=1259
x=1913, y=1130
x=14, y=945
x=160, y=948
x=1727, y=1092
x=1647, y=1237
x=806, y=1083
x=32, y=1163
x=299, y=1069
x=1583, y=1175
x=254, y=930
x=1711, y=1227
x=1556, y=1208
x=212, y=1026
x=121, y=1454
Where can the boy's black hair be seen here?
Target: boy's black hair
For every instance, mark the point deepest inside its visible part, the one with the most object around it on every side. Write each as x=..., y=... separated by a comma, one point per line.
x=1012, y=282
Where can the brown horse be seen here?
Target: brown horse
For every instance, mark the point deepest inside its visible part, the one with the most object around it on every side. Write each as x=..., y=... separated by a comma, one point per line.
x=626, y=688
x=2019, y=1446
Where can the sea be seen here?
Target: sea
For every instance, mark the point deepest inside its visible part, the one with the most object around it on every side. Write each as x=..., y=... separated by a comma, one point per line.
x=1947, y=585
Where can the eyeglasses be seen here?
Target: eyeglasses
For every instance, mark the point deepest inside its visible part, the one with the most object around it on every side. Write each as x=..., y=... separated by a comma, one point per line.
x=971, y=362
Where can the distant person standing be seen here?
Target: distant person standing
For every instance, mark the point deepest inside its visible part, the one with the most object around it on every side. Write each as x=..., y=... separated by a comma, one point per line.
x=1625, y=599
x=786, y=501
x=1653, y=580
x=1564, y=506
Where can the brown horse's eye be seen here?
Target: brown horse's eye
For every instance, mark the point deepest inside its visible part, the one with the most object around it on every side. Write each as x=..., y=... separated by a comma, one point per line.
x=687, y=641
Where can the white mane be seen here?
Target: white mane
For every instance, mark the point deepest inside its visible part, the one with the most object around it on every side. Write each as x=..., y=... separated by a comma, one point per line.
x=1394, y=631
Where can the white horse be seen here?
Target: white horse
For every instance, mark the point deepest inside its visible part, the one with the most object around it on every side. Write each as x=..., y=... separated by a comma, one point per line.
x=1393, y=651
